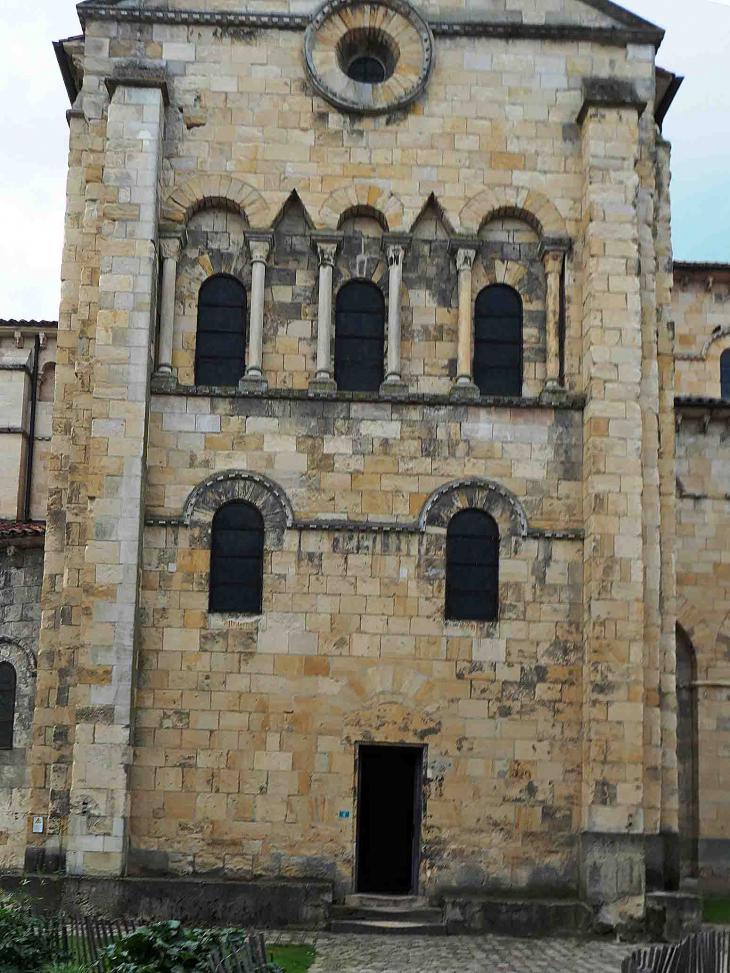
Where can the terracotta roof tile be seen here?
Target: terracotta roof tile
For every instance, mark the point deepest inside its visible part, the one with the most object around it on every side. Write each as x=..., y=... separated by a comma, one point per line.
x=16, y=528
x=14, y=323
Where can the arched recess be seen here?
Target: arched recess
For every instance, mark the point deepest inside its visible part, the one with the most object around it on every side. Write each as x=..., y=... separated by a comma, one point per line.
x=25, y=664
x=480, y=494
x=223, y=192
x=687, y=756
x=227, y=485
x=693, y=621
x=341, y=201
x=523, y=204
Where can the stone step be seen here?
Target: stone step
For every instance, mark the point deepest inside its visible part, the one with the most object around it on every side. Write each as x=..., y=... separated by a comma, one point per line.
x=513, y=916
x=389, y=927
x=348, y=913
x=402, y=903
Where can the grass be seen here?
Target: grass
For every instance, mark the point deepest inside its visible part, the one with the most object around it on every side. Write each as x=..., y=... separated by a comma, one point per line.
x=292, y=958
x=716, y=910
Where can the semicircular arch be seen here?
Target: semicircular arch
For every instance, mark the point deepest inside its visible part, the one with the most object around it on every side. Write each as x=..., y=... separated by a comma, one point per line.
x=477, y=493
x=374, y=199
x=222, y=487
x=527, y=205
x=206, y=191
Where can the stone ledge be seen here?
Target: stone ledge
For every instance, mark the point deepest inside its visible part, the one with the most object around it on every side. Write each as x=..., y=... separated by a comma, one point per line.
x=261, y=904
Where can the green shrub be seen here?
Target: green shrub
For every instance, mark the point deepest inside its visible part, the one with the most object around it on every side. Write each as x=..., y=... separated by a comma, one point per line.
x=21, y=947
x=167, y=947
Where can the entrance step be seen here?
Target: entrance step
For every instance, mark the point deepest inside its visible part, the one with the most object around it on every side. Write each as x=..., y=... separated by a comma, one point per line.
x=392, y=914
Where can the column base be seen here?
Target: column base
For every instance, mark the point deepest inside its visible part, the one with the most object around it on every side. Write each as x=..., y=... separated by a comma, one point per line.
x=165, y=381
x=322, y=386
x=464, y=390
x=393, y=387
x=253, y=384
x=553, y=385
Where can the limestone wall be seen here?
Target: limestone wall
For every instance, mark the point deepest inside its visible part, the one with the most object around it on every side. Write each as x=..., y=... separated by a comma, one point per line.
x=701, y=312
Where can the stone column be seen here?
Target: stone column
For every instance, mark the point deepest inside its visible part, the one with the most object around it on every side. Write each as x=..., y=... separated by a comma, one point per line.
x=553, y=253
x=465, y=387
x=326, y=246
x=395, y=249
x=172, y=240
x=260, y=245
x=613, y=787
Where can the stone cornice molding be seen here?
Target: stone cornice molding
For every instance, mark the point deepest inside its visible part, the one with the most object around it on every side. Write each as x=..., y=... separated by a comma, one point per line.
x=260, y=244
x=606, y=93
x=138, y=74
x=615, y=36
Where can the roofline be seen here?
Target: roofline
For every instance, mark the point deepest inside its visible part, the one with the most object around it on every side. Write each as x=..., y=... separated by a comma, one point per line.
x=699, y=266
x=619, y=13
x=660, y=112
x=22, y=325
x=62, y=57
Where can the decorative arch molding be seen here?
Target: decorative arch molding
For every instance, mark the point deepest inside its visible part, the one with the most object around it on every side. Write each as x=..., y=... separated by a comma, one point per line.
x=206, y=191
x=350, y=198
x=693, y=620
x=227, y=485
x=523, y=204
x=717, y=335
x=14, y=651
x=475, y=493
x=388, y=685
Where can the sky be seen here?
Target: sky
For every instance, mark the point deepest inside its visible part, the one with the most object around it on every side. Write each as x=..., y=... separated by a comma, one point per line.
x=34, y=140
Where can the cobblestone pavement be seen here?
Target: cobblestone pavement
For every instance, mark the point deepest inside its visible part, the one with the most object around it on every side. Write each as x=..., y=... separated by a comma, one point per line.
x=458, y=954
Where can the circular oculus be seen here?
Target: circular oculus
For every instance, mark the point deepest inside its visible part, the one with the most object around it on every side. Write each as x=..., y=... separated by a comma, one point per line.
x=370, y=58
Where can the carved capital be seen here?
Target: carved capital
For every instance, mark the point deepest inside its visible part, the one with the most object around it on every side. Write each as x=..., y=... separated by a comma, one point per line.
x=260, y=250
x=465, y=258
x=327, y=254
x=552, y=261
x=396, y=252
x=170, y=248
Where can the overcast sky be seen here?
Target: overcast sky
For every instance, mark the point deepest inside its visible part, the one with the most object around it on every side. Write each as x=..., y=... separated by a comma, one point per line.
x=34, y=140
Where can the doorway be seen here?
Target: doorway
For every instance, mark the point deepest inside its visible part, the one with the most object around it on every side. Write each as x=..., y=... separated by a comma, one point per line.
x=687, y=754
x=389, y=819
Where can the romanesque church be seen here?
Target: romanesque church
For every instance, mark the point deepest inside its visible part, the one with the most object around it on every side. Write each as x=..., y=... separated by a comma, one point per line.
x=364, y=515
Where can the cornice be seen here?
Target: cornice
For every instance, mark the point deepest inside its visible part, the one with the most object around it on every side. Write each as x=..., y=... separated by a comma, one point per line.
x=618, y=36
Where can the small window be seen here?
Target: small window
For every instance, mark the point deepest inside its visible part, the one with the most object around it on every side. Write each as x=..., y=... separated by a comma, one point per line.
x=237, y=559
x=725, y=374
x=220, y=348
x=498, y=341
x=366, y=70
x=8, y=684
x=359, y=338
x=472, y=567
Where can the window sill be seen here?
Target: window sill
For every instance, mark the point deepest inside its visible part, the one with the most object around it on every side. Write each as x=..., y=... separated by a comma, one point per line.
x=217, y=621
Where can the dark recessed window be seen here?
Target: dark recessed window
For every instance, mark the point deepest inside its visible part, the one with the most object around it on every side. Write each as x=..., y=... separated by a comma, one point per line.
x=367, y=70
x=8, y=685
x=237, y=559
x=472, y=567
x=725, y=374
x=220, y=348
x=359, y=337
x=498, y=341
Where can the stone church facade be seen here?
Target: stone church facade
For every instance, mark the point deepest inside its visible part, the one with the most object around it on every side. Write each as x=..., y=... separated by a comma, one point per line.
x=385, y=528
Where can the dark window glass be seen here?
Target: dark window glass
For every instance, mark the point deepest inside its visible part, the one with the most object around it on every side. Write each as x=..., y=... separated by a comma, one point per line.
x=472, y=567
x=725, y=374
x=7, y=705
x=220, y=346
x=237, y=559
x=498, y=341
x=359, y=337
x=366, y=69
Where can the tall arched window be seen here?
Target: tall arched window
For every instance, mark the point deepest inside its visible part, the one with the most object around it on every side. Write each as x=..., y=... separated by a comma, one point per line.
x=472, y=567
x=498, y=341
x=8, y=685
x=359, y=337
x=725, y=374
x=220, y=347
x=237, y=559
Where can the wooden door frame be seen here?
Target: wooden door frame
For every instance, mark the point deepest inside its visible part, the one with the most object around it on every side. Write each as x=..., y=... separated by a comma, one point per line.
x=419, y=807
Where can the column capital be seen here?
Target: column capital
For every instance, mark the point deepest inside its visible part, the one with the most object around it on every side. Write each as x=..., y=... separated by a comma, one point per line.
x=326, y=246
x=554, y=248
x=603, y=93
x=171, y=245
x=395, y=246
x=260, y=244
x=464, y=249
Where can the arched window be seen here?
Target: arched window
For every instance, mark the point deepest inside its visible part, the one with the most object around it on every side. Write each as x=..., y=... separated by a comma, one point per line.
x=725, y=374
x=237, y=559
x=498, y=341
x=220, y=347
x=359, y=337
x=472, y=567
x=8, y=683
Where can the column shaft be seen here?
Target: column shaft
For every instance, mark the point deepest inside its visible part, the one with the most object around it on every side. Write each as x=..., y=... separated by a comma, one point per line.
x=464, y=384
x=170, y=247
x=393, y=381
x=553, y=263
x=253, y=379
x=324, y=382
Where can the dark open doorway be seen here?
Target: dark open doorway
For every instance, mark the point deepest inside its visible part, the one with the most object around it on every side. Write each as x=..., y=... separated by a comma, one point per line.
x=389, y=819
x=687, y=756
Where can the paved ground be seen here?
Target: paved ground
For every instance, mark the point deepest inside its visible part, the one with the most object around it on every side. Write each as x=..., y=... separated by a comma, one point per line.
x=458, y=954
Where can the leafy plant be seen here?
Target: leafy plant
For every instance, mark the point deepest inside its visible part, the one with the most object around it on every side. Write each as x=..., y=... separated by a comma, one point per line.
x=167, y=947
x=21, y=946
x=293, y=957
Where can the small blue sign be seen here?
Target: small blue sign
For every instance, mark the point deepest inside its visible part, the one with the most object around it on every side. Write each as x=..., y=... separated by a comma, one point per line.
x=344, y=814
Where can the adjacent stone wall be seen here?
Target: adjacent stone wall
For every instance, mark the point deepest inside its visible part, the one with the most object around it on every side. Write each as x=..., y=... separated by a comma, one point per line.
x=21, y=576
x=701, y=312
